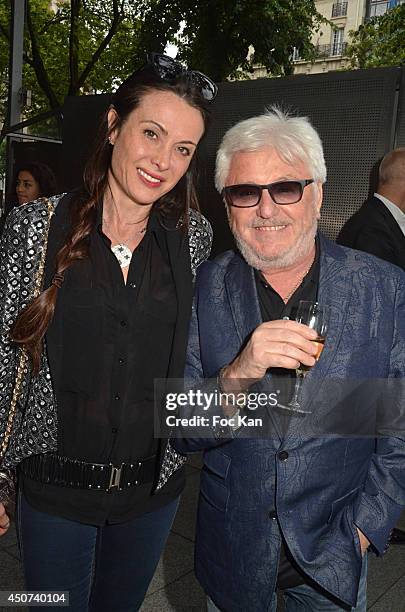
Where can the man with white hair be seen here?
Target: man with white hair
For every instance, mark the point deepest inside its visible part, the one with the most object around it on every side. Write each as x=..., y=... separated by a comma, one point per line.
x=378, y=227
x=290, y=511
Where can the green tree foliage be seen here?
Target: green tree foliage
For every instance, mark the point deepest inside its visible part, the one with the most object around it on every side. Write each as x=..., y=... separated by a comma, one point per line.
x=218, y=33
x=81, y=47
x=379, y=42
x=87, y=46
x=4, y=33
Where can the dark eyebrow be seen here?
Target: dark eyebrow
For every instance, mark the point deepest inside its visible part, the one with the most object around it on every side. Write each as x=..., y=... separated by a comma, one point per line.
x=165, y=132
x=161, y=128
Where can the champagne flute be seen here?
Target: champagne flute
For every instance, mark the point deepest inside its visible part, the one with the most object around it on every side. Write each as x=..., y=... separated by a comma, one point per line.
x=316, y=316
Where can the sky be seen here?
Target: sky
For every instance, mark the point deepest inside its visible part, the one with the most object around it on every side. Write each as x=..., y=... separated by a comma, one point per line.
x=171, y=50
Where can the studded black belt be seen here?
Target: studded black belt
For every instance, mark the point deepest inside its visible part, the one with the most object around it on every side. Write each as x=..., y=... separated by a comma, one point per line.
x=53, y=469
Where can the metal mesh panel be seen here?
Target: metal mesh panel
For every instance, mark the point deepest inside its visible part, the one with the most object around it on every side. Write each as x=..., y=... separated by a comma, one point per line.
x=400, y=132
x=353, y=112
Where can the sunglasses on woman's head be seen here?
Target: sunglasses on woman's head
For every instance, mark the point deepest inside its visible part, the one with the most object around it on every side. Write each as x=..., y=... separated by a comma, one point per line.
x=281, y=192
x=168, y=69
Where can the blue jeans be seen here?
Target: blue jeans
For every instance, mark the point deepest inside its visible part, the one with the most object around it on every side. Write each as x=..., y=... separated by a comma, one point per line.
x=304, y=598
x=104, y=569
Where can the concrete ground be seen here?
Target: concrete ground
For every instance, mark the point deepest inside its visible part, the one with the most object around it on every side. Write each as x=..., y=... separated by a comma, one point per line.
x=174, y=587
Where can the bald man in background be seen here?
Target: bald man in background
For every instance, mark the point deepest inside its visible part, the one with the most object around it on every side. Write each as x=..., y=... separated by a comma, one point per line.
x=378, y=227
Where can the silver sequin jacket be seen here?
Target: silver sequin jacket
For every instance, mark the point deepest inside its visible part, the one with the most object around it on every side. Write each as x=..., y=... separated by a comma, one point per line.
x=35, y=423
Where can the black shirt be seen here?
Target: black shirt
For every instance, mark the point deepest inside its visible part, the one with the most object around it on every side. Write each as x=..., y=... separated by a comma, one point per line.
x=107, y=343
x=272, y=308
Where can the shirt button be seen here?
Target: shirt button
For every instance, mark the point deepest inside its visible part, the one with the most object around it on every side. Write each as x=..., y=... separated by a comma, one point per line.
x=121, y=361
x=114, y=430
x=123, y=323
x=272, y=515
x=283, y=456
x=117, y=397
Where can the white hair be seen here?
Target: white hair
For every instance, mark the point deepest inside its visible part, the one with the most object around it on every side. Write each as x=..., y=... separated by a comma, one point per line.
x=293, y=138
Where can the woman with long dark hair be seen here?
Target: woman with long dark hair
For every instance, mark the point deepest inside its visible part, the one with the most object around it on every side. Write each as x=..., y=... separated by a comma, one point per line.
x=97, y=491
x=33, y=180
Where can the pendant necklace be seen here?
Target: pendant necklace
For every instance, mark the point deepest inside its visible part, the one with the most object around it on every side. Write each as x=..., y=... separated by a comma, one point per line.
x=294, y=289
x=121, y=250
x=299, y=282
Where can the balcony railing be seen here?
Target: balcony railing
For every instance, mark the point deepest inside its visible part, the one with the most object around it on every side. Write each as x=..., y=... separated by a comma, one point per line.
x=332, y=50
x=323, y=51
x=339, y=9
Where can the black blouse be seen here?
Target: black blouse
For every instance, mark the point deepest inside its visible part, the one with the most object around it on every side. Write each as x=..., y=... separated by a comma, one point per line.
x=107, y=343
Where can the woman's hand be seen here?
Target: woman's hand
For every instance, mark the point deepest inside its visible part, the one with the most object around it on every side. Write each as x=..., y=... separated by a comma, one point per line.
x=4, y=520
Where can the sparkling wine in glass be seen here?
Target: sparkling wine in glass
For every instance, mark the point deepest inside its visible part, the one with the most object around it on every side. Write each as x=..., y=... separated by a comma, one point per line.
x=316, y=316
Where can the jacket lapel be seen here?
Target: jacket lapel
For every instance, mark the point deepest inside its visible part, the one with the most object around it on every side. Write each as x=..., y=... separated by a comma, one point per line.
x=174, y=241
x=335, y=290
x=242, y=296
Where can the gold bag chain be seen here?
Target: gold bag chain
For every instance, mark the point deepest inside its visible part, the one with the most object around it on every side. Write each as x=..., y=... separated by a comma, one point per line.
x=23, y=355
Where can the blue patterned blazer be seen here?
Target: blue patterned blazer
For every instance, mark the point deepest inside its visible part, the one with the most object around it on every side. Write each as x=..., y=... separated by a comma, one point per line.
x=326, y=485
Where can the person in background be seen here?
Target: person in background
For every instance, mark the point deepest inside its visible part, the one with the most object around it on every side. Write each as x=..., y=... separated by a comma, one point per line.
x=34, y=180
x=98, y=491
x=378, y=227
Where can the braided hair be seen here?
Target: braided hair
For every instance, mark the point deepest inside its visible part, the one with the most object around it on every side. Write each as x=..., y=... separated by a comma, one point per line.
x=32, y=323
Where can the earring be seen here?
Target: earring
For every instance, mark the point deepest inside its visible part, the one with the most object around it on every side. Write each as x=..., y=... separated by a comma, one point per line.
x=110, y=141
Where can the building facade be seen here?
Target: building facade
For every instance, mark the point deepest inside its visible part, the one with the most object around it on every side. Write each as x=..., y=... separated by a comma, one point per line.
x=331, y=42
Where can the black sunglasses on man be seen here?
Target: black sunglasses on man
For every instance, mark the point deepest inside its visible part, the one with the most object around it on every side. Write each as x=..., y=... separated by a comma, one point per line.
x=247, y=195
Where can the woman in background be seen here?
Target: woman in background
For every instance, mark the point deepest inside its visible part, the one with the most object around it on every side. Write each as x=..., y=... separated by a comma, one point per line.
x=34, y=180
x=98, y=490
